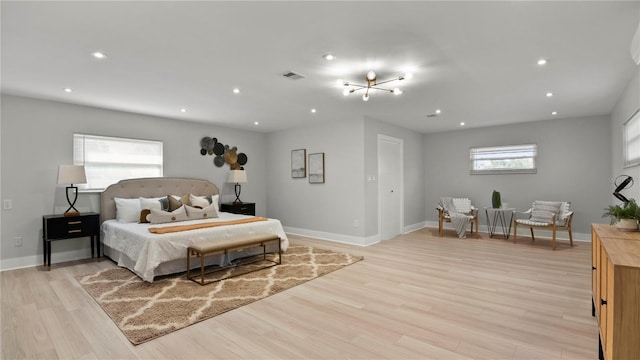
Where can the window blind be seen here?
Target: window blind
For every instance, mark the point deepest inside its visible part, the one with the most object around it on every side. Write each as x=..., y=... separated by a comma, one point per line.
x=503, y=159
x=108, y=160
x=632, y=140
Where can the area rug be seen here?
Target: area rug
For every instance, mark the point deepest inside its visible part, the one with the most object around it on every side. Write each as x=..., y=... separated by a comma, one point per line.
x=144, y=311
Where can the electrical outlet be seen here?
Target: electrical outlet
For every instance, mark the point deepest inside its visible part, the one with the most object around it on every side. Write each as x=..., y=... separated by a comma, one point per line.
x=7, y=204
x=18, y=242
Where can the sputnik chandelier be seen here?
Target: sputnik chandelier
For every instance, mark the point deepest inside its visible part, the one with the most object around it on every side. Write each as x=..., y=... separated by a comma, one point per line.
x=372, y=83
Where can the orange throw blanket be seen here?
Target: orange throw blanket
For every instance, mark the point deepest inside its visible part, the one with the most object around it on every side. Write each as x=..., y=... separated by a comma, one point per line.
x=177, y=228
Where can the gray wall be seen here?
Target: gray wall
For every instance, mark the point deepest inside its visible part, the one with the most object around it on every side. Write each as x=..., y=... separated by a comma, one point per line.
x=414, y=175
x=628, y=104
x=345, y=208
x=578, y=158
x=332, y=210
x=36, y=137
x=573, y=165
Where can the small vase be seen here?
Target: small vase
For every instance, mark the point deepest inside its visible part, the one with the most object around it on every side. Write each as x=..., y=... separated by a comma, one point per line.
x=627, y=224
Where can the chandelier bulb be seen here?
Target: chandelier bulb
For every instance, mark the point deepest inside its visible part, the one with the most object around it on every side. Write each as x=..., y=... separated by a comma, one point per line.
x=408, y=75
x=346, y=92
x=371, y=75
x=365, y=97
x=396, y=91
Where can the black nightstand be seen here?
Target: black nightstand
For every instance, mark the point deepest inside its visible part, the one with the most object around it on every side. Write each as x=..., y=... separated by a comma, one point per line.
x=245, y=208
x=60, y=227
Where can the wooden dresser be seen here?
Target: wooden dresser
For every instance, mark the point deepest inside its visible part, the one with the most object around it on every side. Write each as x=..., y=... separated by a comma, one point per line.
x=616, y=291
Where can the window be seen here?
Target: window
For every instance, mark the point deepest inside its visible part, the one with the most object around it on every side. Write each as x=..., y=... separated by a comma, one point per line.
x=632, y=140
x=514, y=159
x=109, y=159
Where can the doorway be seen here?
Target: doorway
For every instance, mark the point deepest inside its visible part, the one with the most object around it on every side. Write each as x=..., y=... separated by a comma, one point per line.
x=390, y=186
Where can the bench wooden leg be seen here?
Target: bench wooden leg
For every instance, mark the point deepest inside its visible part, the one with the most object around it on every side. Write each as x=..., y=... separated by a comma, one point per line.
x=188, y=258
x=201, y=269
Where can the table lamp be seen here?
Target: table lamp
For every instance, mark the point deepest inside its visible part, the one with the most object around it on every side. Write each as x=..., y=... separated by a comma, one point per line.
x=238, y=177
x=71, y=174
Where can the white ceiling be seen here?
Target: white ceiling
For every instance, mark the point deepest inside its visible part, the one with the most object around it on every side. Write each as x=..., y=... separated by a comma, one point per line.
x=474, y=60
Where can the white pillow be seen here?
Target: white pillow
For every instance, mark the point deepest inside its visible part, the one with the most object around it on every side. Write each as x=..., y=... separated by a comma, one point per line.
x=127, y=210
x=158, y=216
x=200, y=201
x=214, y=202
x=204, y=213
x=204, y=201
x=152, y=203
x=543, y=211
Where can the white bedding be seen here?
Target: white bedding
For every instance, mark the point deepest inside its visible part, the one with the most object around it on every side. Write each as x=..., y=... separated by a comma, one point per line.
x=143, y=252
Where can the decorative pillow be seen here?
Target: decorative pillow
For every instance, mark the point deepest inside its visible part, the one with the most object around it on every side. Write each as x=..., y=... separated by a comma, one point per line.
x=542, y=211
x=159, y=216
x=144, y=216
x=204, y=213
x=146, y=204
x=174, y=202
x=127, y=210
x=463, y=205
x=199, y=201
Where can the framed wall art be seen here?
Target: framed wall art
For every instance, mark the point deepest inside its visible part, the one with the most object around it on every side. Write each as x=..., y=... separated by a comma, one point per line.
x=299, y=163
x=316, y=168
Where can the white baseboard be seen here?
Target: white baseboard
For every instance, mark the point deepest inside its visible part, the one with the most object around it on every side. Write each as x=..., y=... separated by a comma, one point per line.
x=344, y=239
x=414, y=227
x=347, y=239
x=36, y=260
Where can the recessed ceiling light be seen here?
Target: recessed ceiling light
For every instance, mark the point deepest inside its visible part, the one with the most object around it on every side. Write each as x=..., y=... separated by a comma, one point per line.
x=256, y=123
x=542, y=62
x=99, y=55
x=549, y=94
x=183, y=110
x=554, y=113
x=67, y=90
x=236, y=91
x=438, y=111
x=461, y=124
x=313, y=111
x=329, y=56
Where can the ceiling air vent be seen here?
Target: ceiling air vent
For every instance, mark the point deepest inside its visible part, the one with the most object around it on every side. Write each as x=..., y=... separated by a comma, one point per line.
x=293, y=76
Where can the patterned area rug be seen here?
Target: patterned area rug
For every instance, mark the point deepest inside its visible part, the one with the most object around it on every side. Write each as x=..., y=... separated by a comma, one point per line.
x=144, y=311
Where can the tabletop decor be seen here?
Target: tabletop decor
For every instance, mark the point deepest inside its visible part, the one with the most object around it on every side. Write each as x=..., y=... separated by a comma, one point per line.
x=625, y=217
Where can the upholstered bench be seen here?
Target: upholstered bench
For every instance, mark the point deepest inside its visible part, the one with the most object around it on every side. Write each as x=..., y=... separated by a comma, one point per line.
x=203, y=249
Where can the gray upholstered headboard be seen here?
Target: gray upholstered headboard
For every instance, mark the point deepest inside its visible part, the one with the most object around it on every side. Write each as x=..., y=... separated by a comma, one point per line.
x=152, y=187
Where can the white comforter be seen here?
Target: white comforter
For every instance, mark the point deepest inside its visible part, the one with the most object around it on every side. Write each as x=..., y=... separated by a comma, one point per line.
x=147, y=251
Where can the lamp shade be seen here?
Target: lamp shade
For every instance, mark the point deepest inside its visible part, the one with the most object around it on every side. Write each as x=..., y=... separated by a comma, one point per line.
x=237, y=176
x=71, y=174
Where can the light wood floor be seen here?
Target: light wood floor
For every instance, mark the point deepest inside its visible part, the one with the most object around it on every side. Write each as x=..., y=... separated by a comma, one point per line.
x=417, y=296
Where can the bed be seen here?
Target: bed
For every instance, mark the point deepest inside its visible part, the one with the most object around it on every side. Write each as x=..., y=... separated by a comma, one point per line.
x=133, y=246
